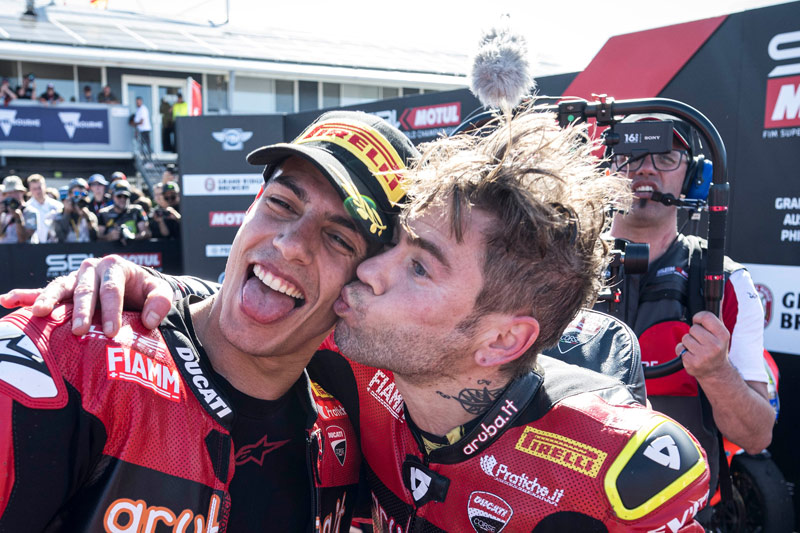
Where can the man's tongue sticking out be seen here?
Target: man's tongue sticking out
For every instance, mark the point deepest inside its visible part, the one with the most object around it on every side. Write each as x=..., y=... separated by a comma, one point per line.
x=264, y=304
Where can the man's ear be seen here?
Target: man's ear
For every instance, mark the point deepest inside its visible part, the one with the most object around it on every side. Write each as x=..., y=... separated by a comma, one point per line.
x=507, y=339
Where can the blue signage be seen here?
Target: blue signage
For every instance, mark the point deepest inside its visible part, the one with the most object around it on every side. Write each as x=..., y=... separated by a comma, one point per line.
x=54, y=124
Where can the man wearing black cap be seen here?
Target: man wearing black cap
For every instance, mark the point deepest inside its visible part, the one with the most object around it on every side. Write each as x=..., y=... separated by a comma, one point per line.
x=213, y=420
x=122, y=220
x=50, y=96
x=724, y=356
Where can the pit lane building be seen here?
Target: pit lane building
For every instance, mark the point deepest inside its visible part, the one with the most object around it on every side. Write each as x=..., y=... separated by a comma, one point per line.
x=238, y=73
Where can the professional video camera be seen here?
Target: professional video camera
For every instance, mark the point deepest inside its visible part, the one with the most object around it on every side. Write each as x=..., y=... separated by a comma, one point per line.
x=10, y=204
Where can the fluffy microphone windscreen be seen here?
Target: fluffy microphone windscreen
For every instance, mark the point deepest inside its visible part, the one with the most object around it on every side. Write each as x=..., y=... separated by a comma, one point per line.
x=500, y=70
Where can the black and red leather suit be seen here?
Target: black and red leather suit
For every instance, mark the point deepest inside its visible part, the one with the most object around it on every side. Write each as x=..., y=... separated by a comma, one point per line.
x=563, y=449
x=132, y=434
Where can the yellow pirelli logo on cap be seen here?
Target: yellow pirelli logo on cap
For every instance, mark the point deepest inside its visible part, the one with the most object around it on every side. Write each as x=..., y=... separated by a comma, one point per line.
x=369, y=146
x=561, y=450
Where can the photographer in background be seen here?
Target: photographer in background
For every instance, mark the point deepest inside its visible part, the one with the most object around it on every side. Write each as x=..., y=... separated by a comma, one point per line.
x=165, y=222
x=77, y=223
x=18, y=222
x=724, y=357
x=47, y=207
x=122, y=221
x=100, y=199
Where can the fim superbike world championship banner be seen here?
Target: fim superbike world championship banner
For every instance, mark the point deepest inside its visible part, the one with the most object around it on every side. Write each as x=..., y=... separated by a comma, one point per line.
x=45, y=124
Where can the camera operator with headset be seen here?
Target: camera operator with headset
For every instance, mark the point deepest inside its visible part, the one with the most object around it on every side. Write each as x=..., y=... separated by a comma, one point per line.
x=724, y=357
x=122, y=221
x=77, y=223
x=18, y=222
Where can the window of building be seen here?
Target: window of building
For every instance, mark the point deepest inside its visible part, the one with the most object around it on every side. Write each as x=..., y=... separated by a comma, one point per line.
x=61, y=76
x=358, y=94
x=284, y=96
x=390, y=92
x=217, y=94
x=8, y=69
x=308, y=95
x=88, y=76
x=331, y=95
x=410, y=90
x=253, y=95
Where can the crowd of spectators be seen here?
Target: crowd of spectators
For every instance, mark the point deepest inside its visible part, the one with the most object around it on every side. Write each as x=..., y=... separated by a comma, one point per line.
x=27, y=91
x=88, y=210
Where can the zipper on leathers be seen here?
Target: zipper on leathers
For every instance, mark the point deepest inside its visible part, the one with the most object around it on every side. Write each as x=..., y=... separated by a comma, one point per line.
x=312, y=450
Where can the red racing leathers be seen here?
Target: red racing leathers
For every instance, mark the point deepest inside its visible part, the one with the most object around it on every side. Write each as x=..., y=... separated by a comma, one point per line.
x=132, y=434
x=563, y=449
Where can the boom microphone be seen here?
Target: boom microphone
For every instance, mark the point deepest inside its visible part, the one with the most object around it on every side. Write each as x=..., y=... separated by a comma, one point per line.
x=501, y=71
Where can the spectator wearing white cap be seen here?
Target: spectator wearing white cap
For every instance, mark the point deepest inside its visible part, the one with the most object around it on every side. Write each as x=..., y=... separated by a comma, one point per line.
x=47, y=208
x=18, y=222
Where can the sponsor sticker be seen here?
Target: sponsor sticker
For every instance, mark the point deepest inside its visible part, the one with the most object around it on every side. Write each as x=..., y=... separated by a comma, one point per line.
x=766, y=301
x=124, y=514
x=127, y=364
x=338, y=441
x=561, y=450
x=487, y=512
x=522, y=482
x=581, y=330
x=382, y=388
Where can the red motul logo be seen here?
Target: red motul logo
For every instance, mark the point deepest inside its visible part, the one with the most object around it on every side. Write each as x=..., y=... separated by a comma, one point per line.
x=783, y=102
x=220, y=219
x=435, y=116
x=148, y=260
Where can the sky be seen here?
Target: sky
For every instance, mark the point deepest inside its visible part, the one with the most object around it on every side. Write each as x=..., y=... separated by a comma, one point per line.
x=562, y=35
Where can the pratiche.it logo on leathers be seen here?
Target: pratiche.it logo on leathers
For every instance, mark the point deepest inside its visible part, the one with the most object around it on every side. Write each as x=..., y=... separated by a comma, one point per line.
x=522, y=482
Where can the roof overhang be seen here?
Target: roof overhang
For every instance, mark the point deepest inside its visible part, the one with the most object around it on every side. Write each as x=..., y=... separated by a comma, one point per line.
x=199, y=63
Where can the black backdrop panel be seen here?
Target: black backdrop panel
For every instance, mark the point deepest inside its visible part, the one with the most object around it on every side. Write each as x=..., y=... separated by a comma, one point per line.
x=28, y=266
x=727, y=80
x=218, y=183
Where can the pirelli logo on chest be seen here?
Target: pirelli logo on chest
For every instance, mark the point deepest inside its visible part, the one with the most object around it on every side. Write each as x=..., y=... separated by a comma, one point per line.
x=561, y=450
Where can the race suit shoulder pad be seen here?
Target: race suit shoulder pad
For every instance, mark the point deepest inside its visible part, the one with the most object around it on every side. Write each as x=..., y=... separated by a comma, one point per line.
x=659, y=461
x=28, y=374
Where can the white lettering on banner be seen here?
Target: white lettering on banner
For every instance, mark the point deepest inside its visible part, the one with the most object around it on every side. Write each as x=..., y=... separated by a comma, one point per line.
x=225, y=219
x=778, y=51
x=383, y=389
x=218, y=250
x=781, y=333
x=60, y=264
x=148, y=260
x=787, y=203
x=222, y=184
x=787, y=106
x=8, y=120
x=790, y=235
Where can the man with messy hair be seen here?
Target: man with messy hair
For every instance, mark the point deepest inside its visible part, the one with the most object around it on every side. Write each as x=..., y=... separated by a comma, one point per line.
x=463, y=424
